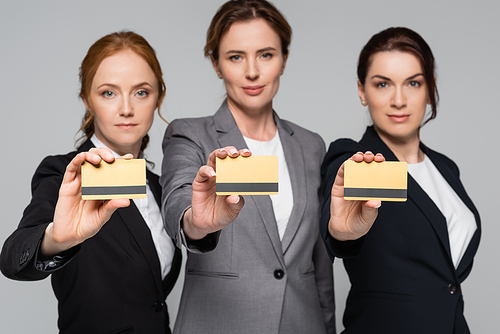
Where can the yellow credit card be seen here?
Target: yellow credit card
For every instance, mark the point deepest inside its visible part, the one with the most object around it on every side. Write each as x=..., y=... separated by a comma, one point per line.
x=119, y=179
x=384, y=181
x=254, y=175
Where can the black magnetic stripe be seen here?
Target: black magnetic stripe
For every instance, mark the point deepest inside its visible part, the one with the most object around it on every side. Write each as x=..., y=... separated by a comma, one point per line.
x=371, y=192
x=118, y=190
x=247, y=187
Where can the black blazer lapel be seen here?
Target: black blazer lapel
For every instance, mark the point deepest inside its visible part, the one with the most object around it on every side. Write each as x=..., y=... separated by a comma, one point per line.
x=415, y=193
x=466, y=261
x=142, y=235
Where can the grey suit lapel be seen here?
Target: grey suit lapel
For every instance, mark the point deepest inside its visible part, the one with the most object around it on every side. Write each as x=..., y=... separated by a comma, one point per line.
x=296, y=168
x=228, y=134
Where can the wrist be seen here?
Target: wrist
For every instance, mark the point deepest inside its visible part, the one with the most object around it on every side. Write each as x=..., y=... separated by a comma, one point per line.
x=50, y=246
x=190, y=231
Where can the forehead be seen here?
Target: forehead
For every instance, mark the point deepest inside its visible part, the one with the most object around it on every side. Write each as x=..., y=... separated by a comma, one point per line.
x=124, y=65
x=248, y=35
x=394, y=64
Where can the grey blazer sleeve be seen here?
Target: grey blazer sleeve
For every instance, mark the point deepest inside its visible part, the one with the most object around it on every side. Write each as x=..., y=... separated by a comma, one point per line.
x=182, y=157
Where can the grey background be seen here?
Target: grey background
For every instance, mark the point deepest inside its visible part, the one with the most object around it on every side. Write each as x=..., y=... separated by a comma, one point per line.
x=42, y=44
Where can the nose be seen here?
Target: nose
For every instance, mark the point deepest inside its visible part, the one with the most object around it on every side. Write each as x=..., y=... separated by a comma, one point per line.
x=126, y=109
x=398, y=100
x=252, y=70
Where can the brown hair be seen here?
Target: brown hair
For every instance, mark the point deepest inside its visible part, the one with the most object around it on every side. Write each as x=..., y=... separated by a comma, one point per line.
x=403, y=40
x=245, y=10
x=108, y=46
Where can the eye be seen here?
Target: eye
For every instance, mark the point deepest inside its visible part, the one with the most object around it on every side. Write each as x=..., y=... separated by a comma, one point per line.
x=108, y=93
x=142, y=93
x=235, y=57
x=382, y=84
x=267, y=55
x=414, y=83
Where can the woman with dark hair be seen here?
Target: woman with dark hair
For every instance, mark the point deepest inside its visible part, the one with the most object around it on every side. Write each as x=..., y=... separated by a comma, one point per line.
x=111, y=270
x=255, y=265
x=405, y=261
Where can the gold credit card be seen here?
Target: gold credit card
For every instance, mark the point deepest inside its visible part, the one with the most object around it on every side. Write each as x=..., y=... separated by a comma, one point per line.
x=119, y=179
x=254, y=175
x=384, y=181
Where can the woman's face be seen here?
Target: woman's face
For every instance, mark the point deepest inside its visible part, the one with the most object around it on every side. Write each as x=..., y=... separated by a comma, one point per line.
x=396, y=94
x=124, y=94
x=250, y=63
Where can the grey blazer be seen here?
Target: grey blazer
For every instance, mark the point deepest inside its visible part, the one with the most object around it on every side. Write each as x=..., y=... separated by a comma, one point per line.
x=243, y=279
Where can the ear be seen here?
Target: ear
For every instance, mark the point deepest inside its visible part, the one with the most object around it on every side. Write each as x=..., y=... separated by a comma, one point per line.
x=86, y=103
x=285, y=58
x=215, y=64
x=361, y=93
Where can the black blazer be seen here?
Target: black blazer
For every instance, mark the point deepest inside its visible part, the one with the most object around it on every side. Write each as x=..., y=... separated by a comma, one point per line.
x=402, y=275
x=112, y=282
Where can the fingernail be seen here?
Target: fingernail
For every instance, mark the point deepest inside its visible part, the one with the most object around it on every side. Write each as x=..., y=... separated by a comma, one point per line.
x=237, y=200
x=211, y=173
x=245, y=150
x=379, y=205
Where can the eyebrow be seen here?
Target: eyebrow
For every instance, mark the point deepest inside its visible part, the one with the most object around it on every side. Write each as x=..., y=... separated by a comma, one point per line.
x=135, y=86
x=388, y=79
x=269, y=48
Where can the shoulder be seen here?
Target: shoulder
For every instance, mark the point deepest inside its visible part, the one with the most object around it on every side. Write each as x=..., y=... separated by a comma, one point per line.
x=341, y=149
x=309, y=140
x=181, y=125
x=55, y=163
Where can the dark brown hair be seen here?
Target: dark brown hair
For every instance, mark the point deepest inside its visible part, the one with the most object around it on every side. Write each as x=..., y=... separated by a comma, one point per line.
x=108, y=46
x=241, y=11
x=403, y=40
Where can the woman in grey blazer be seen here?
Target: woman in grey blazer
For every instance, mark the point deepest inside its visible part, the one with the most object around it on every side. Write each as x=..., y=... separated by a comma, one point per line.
x=255, y=265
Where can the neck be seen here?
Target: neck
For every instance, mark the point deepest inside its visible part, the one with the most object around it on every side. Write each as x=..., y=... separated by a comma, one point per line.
x=122, y=149
x=257, y=124
x=405, y=149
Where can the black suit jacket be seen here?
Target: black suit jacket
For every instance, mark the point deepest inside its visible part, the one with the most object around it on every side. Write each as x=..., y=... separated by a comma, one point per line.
x=112, y=281
x=403, y=278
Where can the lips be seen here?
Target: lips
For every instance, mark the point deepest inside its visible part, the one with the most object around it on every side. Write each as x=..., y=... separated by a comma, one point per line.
x=399, y=118
x=253, y=90
x=126, y=126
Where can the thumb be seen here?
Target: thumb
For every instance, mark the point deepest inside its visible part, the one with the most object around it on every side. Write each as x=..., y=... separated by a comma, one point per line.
x=235, y=203
x=370, y=210
x=109, y=207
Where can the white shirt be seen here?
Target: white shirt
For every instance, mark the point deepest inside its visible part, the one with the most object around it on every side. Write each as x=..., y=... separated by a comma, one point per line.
x=283, y=201
x=459, y=218
x=151, y=213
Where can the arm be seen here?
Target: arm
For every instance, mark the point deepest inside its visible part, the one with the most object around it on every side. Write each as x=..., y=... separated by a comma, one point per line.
x=193, y=213
x=40, y=223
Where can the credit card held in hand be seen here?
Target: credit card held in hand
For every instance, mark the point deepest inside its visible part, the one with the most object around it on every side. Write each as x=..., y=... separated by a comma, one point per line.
x=254, y=175
x=119, y=179
x=384, y=181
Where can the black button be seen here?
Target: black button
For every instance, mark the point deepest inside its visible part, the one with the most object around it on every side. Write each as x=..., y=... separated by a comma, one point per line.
x=24, y=257
x=158, y=306
x=279, y=274
x=452, y=288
